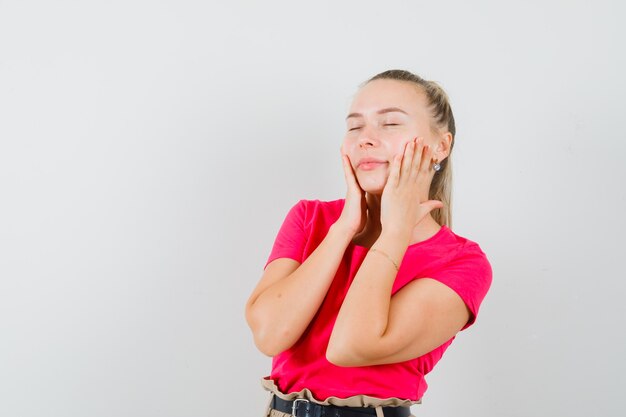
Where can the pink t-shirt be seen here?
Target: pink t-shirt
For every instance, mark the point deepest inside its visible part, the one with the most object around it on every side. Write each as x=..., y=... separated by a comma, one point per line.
x=451, y=259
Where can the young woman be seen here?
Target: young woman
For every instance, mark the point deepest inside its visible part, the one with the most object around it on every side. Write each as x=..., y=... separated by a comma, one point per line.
x=361, y=296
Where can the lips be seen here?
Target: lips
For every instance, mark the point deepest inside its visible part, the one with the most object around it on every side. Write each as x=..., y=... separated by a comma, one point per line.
x=370, y=164
x=371, y=161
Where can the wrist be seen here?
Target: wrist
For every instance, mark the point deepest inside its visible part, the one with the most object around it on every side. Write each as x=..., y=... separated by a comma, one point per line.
x=397, y=237
x=394, y=245
x=343, y=228
x=339, y=232
x=386, y=255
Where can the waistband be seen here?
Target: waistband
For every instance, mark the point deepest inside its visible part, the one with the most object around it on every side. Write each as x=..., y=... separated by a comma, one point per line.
x=304, y=408
x=352, y=401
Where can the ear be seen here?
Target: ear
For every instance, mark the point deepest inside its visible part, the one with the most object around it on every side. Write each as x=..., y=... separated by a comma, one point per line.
x=443, y=147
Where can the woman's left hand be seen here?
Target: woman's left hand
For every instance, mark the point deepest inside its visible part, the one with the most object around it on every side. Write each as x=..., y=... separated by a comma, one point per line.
x=404, y=202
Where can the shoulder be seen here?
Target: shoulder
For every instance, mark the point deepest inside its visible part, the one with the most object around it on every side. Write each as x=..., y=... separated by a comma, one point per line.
x=464, y=243
x=302, y=227
x=469, y=252
x=453, y=260
x=316, y=210
x=449, y=247
x=468, y=272
x=322, y=204
x=442, y=249
x=465, y=256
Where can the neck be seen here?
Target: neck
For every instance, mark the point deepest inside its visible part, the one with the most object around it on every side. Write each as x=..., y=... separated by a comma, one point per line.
x=425, y=229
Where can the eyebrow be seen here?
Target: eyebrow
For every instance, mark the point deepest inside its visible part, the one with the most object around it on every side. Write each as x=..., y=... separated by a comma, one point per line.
x=382, y=111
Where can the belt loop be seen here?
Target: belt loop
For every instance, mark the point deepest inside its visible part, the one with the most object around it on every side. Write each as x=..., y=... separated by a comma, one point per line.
x=379, y=411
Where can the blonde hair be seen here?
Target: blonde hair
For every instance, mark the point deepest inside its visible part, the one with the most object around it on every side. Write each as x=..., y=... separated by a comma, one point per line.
x=443, y=119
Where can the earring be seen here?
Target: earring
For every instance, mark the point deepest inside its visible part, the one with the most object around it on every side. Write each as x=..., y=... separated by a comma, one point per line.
x=436, y=166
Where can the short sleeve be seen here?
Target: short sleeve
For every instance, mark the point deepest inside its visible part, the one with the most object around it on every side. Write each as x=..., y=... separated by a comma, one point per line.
x=291, y=238
x=469, y=274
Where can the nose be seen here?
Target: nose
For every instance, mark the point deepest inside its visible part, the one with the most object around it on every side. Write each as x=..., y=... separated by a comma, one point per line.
x=367, y=137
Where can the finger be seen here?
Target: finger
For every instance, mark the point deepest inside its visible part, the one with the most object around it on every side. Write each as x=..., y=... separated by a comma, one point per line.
x=347, y=169
x=425, y=160
x=347, y=166
x=394, y=171
x=349, y=172
x=431, y=205
x=415, y=166
x=407, y=160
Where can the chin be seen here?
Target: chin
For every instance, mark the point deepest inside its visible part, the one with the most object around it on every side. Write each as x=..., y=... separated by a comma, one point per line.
x=373, y=185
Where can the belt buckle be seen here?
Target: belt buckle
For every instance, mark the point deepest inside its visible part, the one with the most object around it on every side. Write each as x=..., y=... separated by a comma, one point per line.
x=294, y=406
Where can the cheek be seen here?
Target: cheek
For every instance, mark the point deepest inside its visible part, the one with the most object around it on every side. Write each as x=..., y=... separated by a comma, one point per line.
x=400, y=144
x=347, y=146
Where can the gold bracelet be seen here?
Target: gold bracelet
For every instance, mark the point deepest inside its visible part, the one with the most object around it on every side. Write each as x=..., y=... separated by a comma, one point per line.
x=388, y=257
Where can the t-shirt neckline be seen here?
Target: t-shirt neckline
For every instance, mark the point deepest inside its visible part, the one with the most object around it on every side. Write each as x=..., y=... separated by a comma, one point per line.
x=434, y=237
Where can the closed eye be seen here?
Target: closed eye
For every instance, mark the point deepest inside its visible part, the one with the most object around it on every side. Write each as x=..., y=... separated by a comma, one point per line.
x=354, y=128
x=391, y=124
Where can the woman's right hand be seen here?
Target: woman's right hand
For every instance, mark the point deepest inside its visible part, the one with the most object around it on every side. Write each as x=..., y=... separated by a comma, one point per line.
x=354, y=214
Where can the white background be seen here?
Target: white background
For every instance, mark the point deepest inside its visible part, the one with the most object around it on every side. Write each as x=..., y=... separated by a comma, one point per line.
x=150, y=151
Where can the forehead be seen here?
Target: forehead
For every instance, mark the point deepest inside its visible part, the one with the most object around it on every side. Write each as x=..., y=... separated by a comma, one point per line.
x=380, y=94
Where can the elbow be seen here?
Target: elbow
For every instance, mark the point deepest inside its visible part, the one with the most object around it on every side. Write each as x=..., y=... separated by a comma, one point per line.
x=268, y=345
x=342, y=354
x=336, y=357
x=267, y=338
x=267, y=350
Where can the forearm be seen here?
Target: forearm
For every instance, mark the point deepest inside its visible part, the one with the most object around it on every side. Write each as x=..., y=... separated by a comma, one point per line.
x=282, y=312
x=364, y=314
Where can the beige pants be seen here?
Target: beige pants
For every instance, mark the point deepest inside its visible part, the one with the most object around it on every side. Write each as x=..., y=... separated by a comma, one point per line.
x=354, y=401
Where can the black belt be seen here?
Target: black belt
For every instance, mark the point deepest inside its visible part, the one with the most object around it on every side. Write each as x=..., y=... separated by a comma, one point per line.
x=305, y=408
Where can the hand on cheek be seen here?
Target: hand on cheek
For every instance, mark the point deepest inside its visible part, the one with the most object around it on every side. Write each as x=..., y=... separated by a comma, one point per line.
x=354, y=214
x=404, y=202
